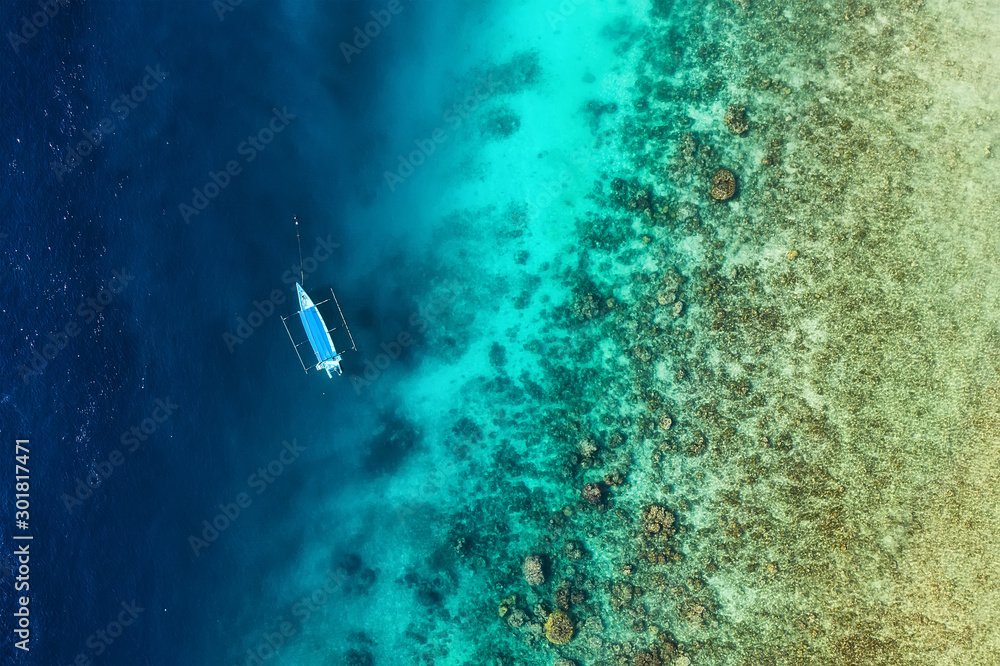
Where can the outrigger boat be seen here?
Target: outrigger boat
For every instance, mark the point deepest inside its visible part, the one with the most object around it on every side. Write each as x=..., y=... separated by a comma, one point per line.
x=317, y=334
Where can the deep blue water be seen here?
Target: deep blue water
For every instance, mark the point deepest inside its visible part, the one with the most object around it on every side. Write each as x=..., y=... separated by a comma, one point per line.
x=68, y=230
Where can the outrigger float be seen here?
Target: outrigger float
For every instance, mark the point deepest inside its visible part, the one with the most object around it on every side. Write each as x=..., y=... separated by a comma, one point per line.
x=317, y=334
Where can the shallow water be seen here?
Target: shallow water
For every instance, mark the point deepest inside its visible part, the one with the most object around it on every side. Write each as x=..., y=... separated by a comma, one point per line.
x=752, y=431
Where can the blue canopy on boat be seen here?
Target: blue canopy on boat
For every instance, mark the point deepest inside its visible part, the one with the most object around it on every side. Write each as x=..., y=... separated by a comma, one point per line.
x=315, y=327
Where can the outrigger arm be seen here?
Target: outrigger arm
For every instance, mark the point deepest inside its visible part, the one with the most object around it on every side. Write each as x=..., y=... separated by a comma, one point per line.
x=327, y=356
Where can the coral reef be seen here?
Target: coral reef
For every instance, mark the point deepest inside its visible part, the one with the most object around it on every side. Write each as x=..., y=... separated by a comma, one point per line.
x=394, y=440
x=657, y=520
x=723, y=185
x=355, y=657
x=498, y=355
x=736, y=119
x=697, y=359
x=501, y=123
x=347, y=564
x=506, y=605
x=573, y=550
x=593, y=493
x=558, y=628
x=646, y=658
x=533, y=569
x=614, y=478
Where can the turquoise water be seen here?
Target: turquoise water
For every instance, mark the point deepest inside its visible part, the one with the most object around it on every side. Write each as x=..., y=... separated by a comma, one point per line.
x=522, y=110
x=587, y=314
x=603, y=412
x=489, y=214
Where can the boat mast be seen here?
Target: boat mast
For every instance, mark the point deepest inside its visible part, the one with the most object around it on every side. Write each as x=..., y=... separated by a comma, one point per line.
x=298, y=237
